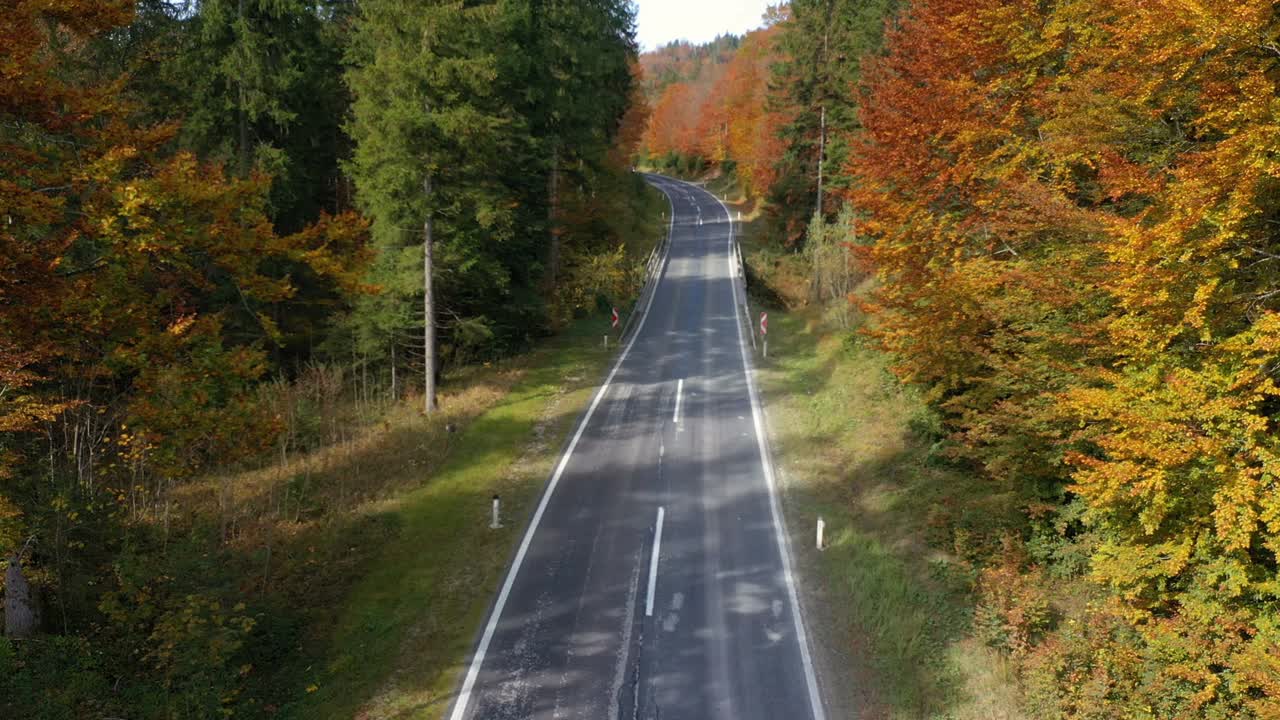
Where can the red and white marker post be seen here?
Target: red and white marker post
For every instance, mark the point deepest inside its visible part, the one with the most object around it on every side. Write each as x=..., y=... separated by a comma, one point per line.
x=764, y=331
x=613, y=323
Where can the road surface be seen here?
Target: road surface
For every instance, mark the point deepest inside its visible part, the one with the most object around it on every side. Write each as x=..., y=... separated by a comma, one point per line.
x=653, y=580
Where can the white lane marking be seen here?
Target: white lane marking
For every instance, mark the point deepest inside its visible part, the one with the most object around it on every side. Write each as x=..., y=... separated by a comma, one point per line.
x=675, y=417
x=784, y=545
x=469, y=683
x=653, y=564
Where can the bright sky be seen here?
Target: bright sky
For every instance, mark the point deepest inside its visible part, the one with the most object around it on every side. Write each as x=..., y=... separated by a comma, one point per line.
x=661, y=21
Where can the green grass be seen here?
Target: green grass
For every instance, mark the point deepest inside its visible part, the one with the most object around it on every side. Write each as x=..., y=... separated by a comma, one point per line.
x=396, y=648
x=893, y=589
x=363, y=548
x=406, y=625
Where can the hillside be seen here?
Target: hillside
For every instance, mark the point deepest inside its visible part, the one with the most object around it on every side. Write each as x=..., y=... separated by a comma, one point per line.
x=683, y=62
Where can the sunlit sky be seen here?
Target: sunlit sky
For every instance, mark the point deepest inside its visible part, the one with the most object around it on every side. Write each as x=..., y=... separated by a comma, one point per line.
x=661, y=21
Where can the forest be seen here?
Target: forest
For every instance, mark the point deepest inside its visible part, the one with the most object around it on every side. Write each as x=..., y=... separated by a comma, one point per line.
x=1062, y=215
x=215, y=220
x=1065, y=214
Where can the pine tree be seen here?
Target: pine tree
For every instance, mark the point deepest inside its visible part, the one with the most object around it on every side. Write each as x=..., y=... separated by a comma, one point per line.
x=579, y=75
x=430, y=128
x=261, y=86
x=824, y=42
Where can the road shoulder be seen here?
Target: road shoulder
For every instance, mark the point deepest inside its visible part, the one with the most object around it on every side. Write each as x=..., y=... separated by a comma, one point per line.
x=888, y=603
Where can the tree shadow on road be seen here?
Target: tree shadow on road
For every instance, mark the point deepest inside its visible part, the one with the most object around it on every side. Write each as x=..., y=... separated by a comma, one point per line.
x=903, y=523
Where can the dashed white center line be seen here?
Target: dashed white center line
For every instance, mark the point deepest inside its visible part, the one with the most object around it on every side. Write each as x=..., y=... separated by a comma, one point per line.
x=653, y=564
x=675, y=417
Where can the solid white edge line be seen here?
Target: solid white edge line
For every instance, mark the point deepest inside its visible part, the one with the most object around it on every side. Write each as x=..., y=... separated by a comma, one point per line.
x=675, y=417
x=473, y=672
x=784, y=543
x=653, y=564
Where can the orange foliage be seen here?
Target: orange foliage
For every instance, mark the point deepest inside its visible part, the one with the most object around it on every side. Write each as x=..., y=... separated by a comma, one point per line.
x=753, y=128
x=673, y=124
x=1074, y=207
x=726, y=116
x=116, y=259
x=35, y=190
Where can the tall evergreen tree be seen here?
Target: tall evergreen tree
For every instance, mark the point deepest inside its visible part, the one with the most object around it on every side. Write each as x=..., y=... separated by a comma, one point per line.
x=430, y=131
x=264, y=82
x=824, y=42
x=579, y=80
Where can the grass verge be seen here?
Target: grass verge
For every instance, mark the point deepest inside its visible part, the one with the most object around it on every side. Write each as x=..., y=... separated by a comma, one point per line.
x=363, y=554
x=396, y=646
x=364, y=548
x=891, y=596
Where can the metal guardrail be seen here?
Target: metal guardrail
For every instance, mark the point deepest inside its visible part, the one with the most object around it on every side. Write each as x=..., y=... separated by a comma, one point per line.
x=742, y=292
x=652, y=268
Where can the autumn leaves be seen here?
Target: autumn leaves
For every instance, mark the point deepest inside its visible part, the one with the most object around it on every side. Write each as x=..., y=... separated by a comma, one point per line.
x=725, y=113
x=1075, y=206
x=121, y=257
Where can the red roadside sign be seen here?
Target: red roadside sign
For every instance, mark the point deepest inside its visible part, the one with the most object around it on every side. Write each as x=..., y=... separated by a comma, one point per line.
x=764, y=323
x=615, y=317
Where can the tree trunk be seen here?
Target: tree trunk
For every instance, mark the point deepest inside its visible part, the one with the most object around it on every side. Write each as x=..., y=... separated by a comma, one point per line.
x=553, y=190
x=243, y=119
x=428, y=308
x=817, y=243
x=824, y=84
x=20, y=619
x=822, y=155
x=815, y=291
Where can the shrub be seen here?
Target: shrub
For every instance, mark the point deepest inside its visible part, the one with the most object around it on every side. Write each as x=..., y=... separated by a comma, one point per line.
x=182, y=647
x=82, y=688
x=1100, y=666
x=1013, y=608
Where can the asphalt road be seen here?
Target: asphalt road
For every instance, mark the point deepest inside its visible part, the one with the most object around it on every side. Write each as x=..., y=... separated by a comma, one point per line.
x=601, y=616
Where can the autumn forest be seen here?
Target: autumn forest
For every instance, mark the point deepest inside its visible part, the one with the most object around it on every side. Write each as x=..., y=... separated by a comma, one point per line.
x=230, y=228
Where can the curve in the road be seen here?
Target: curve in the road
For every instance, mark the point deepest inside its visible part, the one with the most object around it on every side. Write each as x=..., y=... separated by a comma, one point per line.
x=654, y=579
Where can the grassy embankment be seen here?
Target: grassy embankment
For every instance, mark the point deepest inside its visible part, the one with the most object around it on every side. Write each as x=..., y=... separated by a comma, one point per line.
x=367, y=539
x=400, y=633
x=891, y=597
